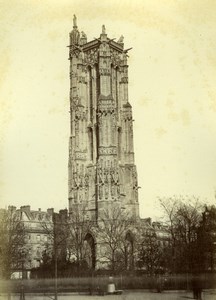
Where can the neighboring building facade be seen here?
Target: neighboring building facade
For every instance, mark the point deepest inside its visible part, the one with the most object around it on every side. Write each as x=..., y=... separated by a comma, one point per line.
x=101, y=154
x=38, y=235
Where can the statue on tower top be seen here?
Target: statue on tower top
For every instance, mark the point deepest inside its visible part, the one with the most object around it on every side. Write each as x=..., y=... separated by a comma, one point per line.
x=83, y=38
x=103, y=29
x=75, y=35
x=74, y=21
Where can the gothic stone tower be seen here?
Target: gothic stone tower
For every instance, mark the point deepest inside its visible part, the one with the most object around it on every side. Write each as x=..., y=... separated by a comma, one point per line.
x=101, y=165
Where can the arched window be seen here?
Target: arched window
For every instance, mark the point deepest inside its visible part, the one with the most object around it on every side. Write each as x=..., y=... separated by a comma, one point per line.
x=89, y=251
x=90, y=92
x=90, y=136
x=129, y=251
x=119, y=142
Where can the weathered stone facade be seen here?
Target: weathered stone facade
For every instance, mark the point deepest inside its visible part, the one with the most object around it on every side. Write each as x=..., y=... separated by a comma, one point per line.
x=37, y=237
x=101, y=155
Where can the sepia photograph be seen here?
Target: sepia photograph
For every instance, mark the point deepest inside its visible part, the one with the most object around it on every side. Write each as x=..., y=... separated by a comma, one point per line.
x=107, y=149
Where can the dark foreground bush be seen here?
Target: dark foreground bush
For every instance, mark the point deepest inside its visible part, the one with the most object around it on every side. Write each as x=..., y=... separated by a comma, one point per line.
x=80, y=284
x=65, y=270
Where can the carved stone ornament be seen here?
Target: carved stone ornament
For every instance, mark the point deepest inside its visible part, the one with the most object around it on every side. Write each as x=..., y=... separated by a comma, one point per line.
x=124, y=79
x=91, y=57
x=115, y=57
x=74, y=51
x=80, y=114
x=83, y=35
x=74, y=101
x=86, y=180
x=75, y=37
x=127, y=116
x=81, y=79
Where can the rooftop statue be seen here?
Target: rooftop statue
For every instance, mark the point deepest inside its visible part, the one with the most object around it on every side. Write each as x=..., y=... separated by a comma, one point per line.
x=103, y=29
x=74, y=21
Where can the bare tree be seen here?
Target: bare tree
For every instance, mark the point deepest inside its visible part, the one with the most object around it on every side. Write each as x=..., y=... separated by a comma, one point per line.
x=79, y=227
x=183, y=216
x=207, y=239
x=151, y=254
x=56, y=228
x=12, y=241
x=112, y=230
x=68, y=237
x=56, y=249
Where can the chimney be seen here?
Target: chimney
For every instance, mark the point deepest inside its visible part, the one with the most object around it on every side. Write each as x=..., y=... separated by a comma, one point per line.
x=50, y=211
x=63, y=213
x=25, y=208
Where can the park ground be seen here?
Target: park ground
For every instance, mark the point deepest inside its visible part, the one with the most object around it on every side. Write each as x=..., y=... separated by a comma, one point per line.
x=126, y=295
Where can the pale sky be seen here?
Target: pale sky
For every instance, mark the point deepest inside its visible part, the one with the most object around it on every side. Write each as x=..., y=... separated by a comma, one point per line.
x=172, y=89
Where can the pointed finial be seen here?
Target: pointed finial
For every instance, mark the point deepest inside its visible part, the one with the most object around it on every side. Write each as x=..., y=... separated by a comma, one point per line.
x=103, y=29
x=84, y=36
x=121, y=39
x=74, y=21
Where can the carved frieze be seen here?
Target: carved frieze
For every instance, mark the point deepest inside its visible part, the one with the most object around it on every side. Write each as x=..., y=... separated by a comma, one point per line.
x=80, y=155
x=107, y=150
x=105, y=71
x=106, y=106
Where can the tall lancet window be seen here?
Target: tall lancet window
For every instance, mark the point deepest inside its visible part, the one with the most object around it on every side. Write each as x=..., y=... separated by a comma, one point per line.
x=119, y=143
x=90, y=137
x=90, y=93
x=90, y=104
x=116, y=91
x=97, y=140
x=97, y=81
x=112, y=79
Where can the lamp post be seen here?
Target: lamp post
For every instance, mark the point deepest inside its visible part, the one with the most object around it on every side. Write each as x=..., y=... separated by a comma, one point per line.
x=58, y=238
x=56, y=275
x=213, y=260
x=22, y=293
x=55, y=256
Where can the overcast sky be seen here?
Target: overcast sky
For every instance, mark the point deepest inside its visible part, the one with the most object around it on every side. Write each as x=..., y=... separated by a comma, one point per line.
x=172, y=89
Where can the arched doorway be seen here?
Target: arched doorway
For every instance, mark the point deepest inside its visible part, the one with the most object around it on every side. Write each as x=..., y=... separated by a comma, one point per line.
x=129, y=251
x=89, y=251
